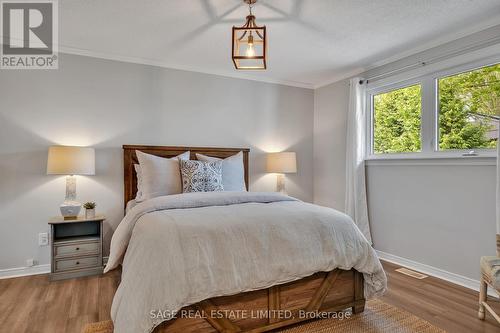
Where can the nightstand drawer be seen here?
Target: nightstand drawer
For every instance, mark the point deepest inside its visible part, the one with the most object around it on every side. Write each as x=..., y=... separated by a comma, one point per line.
x=76, y=249
x=77, y=263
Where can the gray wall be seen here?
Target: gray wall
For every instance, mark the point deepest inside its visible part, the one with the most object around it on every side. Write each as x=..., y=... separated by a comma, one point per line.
x=106, y=104
x=433, y=213
x=439, y=215
x=330, y=122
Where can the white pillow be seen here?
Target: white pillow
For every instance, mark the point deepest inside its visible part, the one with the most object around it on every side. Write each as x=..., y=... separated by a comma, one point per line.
x=138, y=196
x=160, y=176
x=233, y=171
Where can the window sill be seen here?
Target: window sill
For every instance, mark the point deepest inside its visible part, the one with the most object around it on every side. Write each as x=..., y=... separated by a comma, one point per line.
x=435, y=159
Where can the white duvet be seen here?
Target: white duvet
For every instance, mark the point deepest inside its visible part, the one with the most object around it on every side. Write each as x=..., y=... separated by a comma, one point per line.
x=178, y=250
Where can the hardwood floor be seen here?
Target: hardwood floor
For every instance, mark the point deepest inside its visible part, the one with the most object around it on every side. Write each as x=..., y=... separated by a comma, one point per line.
x=446, y=305
x=33, y=304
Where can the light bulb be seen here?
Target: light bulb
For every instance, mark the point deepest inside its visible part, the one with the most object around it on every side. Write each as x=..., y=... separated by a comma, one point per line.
x=250, y=51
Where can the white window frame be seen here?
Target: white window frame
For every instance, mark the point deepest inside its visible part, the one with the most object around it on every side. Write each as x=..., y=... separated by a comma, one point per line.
x=429, y=113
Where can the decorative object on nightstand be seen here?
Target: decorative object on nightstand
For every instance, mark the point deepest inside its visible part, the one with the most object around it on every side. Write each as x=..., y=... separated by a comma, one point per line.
x=76, y=247
x=70, y=161
x=281, y=163
x=89, y=210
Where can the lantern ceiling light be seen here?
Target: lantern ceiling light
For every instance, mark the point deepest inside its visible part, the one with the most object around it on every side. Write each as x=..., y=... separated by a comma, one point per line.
x=249, y=43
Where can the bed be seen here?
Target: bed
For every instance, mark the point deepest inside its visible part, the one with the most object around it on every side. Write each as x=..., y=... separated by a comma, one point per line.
x=234, y=261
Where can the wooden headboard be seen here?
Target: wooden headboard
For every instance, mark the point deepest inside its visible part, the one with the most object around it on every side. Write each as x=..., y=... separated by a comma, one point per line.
x=129, y=159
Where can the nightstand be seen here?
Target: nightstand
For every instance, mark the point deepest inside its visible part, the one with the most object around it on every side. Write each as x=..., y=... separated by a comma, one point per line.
x=76, y=247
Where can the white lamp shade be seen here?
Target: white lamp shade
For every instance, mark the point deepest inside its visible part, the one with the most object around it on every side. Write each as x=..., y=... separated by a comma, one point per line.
x=284, y=162
x=67, y=160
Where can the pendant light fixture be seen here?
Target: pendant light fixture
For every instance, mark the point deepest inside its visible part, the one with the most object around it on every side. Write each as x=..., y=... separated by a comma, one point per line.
x=249, y=49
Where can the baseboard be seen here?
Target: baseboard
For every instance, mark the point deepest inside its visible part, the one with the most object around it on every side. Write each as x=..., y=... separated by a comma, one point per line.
x=435, y=272
x=34, y=270
x=423, y=268
x=24, y=271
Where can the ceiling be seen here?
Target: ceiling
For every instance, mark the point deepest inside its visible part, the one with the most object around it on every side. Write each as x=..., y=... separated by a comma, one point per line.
x=311, y=42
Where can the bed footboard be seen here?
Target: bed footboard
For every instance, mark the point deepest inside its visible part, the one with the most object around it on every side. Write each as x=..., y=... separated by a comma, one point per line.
x=276, y=307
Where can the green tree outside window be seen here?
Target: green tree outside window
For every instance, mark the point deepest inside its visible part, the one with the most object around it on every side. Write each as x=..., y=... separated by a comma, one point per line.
x=469, y=113
x=469, y=109
x=397, y=121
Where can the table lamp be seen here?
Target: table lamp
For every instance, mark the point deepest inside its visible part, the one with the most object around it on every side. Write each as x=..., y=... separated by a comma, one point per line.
x=70, y=161
x=281, y=163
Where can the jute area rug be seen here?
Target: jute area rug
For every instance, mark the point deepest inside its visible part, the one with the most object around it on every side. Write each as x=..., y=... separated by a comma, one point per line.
x=378, y=317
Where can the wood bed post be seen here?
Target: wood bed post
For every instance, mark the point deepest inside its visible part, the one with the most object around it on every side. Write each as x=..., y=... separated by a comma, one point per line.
x=498, y=245
x=273, y=301
x=359, y=291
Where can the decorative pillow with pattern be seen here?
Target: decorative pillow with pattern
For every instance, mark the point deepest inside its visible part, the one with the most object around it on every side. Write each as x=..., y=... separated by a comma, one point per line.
x=198, y=176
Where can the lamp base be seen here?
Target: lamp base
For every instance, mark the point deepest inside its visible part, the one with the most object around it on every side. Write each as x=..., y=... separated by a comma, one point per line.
x=280, y=184
x=70, y=209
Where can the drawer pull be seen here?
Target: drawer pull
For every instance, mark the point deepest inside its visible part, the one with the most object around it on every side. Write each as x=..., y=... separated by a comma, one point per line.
x=78, y=263
x=77, y=248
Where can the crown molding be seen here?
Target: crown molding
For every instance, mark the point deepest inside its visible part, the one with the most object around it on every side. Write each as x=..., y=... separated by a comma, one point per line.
x=483, y=26
x=157, y=63
x=448, y=38
x=245, y=76
x=337, y=78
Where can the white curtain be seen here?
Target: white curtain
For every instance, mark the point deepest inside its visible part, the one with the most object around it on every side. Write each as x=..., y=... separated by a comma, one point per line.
x=355, y=203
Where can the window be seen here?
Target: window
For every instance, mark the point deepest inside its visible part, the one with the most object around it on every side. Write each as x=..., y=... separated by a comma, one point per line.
x=469, y=109
x=441, y=114
x=397, y=120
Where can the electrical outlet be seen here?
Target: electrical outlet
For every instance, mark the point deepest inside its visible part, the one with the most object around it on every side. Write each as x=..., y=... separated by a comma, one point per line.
x=43, y=239
x=30, y=262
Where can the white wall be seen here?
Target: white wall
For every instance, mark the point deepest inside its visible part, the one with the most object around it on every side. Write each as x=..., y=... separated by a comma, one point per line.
x=106, y=104
x=330, y=122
